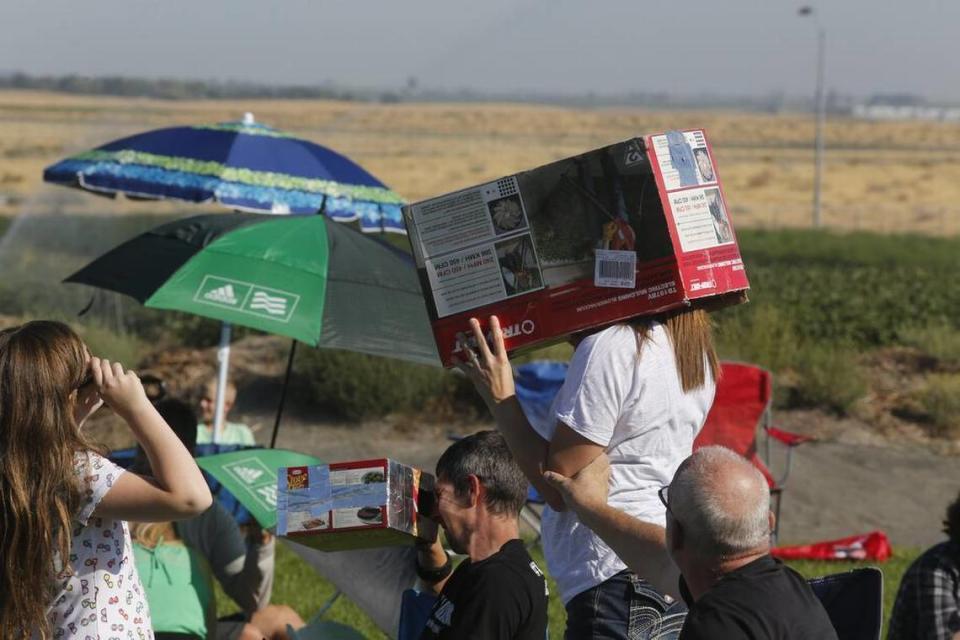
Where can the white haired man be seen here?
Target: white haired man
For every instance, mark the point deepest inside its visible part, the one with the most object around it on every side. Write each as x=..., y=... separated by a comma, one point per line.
x=718, y=534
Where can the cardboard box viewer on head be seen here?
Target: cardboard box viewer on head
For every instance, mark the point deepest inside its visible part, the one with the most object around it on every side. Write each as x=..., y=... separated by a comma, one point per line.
x=634, y=228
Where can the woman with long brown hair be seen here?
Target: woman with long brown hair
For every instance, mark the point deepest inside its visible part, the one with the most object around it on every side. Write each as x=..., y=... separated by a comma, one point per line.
x=67, y=566
x=638, y=392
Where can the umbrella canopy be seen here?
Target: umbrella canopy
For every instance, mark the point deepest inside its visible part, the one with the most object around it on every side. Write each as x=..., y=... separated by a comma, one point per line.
x=241, y=165
x=305, y=277
x=251, y=476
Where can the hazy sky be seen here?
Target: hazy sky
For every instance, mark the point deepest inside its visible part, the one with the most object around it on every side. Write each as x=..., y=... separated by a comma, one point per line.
x=605, y=46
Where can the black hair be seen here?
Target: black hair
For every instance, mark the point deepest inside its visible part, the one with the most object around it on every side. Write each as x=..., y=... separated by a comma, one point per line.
x=951, y=525
x=182, y=420
x=485, y=454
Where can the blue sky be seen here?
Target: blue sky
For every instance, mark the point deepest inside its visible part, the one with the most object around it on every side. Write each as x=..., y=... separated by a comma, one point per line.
x=605, y=46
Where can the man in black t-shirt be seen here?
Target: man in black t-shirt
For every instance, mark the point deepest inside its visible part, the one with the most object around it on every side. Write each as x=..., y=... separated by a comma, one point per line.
x=718, y=524
x=498, y=592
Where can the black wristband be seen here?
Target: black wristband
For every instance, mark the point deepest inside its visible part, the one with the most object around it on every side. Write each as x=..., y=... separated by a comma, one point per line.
x=433, y=576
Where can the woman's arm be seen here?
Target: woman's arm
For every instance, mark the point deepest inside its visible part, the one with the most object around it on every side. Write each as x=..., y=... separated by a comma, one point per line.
x=177, y=489
x=492, y=374
x=641, y=545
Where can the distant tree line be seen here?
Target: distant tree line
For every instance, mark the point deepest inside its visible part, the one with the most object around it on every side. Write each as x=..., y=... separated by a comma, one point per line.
x=171, y=89
x=165, y=88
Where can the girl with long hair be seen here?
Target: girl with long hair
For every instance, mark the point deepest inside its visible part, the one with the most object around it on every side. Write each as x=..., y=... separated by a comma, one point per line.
x=67, y=565
x=638, y=392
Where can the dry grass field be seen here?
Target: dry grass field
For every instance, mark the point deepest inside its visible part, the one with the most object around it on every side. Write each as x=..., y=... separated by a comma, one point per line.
x=890, y=176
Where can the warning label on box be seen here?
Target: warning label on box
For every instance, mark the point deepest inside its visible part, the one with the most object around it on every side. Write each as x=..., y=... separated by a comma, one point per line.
x=476, y=247
x=464, y=218
x=701, y=219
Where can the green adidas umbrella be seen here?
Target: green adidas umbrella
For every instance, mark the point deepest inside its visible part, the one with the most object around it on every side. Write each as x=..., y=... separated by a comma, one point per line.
x=250, y=475
x=306, y=277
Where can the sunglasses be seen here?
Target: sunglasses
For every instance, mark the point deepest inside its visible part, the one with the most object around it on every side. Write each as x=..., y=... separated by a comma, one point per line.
x=664, y=494
x=86, y=382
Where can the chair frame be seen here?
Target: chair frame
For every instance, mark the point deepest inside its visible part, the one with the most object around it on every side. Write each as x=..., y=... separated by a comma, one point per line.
x=771, y=433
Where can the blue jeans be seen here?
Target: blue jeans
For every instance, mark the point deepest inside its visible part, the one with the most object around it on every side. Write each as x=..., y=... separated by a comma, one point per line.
x=624, y=607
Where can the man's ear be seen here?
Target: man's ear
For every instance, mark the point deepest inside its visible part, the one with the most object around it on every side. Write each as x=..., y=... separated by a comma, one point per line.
x=773, y=522
x=477, y=491
x=675, y=535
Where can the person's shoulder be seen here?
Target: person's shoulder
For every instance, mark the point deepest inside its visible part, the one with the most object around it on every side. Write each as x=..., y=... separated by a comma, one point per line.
x=706, y=620
x=241, y=432
x=657, y=337
x=944, y=556
x=512, y=567
x=613, y=341
x=93, y=468
x=767, y=595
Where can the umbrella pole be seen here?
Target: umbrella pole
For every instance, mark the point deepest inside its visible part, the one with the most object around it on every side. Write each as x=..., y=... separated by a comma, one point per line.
x=223, y=357
x=283, y=393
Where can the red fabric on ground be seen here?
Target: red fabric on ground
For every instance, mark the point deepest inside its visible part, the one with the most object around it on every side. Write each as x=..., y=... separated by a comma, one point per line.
x=868, y=546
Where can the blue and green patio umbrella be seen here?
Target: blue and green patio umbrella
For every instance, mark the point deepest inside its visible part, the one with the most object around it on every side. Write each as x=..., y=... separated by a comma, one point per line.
x=241, y=165
x=305, y=277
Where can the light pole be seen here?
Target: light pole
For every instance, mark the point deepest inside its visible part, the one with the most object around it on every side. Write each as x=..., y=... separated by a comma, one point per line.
x=820, y=109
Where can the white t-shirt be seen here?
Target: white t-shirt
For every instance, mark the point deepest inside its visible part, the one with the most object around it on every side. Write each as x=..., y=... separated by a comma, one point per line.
x=103, y=599
x=636, y=409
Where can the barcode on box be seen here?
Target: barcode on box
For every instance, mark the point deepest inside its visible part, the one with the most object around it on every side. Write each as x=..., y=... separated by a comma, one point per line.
x=615, y=269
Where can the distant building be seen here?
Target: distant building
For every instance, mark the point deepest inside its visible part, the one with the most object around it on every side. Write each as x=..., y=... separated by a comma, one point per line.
x=903, y=107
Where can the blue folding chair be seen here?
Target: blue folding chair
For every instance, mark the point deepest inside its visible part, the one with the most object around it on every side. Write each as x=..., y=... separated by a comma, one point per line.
x=854, y=602
x=415, y=608
x=537, y=384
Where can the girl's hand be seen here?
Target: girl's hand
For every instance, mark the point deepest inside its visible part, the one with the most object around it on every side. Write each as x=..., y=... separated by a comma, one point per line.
x=490, y=371
x=120, y=389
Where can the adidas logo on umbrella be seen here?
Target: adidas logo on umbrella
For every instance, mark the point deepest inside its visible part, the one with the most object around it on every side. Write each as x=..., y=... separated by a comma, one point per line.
x=273, y=305
x=222, y=294
x=247, y=474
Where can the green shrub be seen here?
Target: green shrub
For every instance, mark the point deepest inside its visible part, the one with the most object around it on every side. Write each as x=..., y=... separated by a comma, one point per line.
x=560, y=351
x=855, y=288
x=124, y=348
x=828, y=376
x=760, y=334
x=940, y=400
x=938, y=339
x=359, y=386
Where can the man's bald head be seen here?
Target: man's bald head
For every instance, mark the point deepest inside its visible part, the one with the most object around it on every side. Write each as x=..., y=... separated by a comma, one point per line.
x=722, y=503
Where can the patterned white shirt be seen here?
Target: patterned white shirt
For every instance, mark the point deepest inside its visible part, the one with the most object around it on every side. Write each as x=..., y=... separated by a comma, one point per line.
x=103, y=599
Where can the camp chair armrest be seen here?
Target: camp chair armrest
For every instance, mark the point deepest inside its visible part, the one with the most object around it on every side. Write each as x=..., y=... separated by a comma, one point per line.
x=788, y=438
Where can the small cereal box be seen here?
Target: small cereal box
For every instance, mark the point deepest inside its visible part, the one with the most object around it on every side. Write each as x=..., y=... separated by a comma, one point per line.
x=355, y=505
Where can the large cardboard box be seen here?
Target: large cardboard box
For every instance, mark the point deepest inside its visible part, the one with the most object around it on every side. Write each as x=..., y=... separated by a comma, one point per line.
x=355, y=505
x=634, y=228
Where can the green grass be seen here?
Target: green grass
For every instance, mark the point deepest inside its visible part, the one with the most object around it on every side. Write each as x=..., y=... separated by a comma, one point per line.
x=820, y=300
x=862, y=289
x=299, y=586
x=940, y=400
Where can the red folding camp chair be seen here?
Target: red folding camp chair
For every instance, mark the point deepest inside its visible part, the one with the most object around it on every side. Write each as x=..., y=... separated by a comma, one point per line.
x=742, y=402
